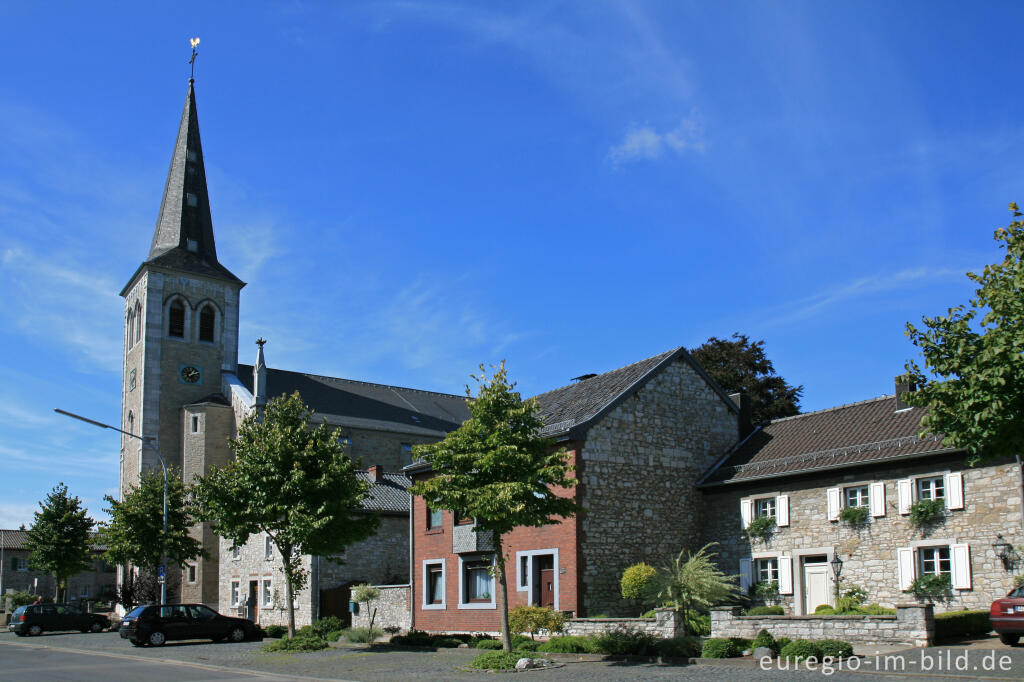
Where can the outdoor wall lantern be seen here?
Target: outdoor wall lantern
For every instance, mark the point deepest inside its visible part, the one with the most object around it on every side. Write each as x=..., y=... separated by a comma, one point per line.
x=1006, y=553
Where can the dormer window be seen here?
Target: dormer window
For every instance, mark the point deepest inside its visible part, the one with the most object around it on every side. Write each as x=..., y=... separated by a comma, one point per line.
x=176, y=320
x=191, y=199
x=191, y=244
x=207, y=319
x=192, y=155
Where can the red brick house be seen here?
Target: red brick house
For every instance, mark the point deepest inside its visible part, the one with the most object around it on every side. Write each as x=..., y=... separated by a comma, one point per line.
x=639, y=437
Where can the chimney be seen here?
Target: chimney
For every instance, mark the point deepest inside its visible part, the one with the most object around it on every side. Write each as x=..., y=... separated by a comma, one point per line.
x=377, y=473
x=745, y=419
x=903, y=385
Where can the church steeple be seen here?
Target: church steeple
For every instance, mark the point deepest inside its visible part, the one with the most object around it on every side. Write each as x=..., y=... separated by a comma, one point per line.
x=183, y=238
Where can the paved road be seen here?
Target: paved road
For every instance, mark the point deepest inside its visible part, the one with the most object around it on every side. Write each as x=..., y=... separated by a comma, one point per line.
x=104, y=657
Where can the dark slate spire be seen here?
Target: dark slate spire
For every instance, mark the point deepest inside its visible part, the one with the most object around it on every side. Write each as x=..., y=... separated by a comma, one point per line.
x=183, y=238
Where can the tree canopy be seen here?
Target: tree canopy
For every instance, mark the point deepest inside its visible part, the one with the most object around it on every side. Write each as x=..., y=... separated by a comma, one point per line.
x=294, y=483
x=59, y=539
x=974, y=357
x=134, y=535
x=496, y=469
x=737, y=364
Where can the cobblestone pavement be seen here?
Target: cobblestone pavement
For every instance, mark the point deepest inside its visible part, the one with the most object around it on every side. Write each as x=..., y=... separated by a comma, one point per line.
x=981, y=659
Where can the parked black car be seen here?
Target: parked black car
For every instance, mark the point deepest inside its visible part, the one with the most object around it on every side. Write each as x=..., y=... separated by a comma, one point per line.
x=34, y=619
x=155, y=625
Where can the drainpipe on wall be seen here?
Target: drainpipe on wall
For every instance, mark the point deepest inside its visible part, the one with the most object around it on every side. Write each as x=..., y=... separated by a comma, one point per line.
x=412, y=570
x=1020, y=472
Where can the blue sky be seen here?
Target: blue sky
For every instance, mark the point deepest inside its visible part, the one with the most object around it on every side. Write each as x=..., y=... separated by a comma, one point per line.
x=412, y=188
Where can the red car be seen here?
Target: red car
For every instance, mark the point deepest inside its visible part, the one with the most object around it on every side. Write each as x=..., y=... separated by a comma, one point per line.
x=1007, y=616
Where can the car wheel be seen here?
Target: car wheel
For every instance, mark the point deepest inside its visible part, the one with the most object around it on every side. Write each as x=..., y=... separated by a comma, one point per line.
x=96, y=627
x=157, y=638
x=1009, y=639
x=237, y=634
x=35, y=630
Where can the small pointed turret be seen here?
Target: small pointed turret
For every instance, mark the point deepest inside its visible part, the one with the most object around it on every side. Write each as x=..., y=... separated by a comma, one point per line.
x=183, y=238
x=259, y=380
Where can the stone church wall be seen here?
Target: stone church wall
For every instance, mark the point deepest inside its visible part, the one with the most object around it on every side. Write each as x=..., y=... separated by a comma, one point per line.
x=992, y=507
x=639, y=467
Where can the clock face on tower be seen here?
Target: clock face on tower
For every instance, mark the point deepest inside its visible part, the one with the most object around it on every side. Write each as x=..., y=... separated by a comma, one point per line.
x=190, y=374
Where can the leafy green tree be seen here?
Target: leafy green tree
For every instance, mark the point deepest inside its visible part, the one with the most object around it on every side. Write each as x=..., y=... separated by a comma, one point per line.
x=497, y=469
x=292, y=482
x=976, y=354
x=59, y=539
x=134, y=535
x=738, y=364
x=693, y=582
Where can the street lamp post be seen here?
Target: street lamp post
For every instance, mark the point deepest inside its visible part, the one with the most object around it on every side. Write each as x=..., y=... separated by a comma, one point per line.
x=837, y=568
x=146, y=440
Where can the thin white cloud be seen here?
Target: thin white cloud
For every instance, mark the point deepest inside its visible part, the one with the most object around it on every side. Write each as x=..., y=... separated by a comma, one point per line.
x=648, y=143
x=13, y=515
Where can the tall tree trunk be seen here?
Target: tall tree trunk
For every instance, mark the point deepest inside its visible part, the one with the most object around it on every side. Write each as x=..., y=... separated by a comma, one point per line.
x=499, y=570
x=287, y=556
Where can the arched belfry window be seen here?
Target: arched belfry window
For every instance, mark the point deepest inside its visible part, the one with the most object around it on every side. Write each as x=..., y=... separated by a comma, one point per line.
x=176, y=319
x=129, y=325
x=207, y=318
x=138, y=321
x=131, y=422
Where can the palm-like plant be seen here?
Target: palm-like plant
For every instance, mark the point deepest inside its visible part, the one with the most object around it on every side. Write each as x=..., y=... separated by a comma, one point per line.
x=693, y=582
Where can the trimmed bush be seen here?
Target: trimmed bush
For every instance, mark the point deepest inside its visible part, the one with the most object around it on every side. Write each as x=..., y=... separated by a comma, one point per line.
x=836, y=648
x=800, y=650
x=636, y=580
x=328, y=624
x=781, y=642
x=623, y=641
x=495, y=660
x=824, y=610
x=448, y=642
x=333, y=636
x=413, y=638
x=766, y=611
x=876, y=610
x=297, y=643
x=533, y=619
x=741, y=643
x=570, y=644
x=679, y=647
x=487, y=644
x=518, y=640
x=719, y=647
x=962, y=624
x=765, y=639
x=275, y=631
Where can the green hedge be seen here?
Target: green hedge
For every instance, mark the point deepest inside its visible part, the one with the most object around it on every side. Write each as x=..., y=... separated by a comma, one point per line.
x=801, y=649
x=679, y=647
x=495, y=660
x=719, y=647
x=569, y=644
x=491, y=644
x=835, y=648
x=962, y=624
x=766, y=611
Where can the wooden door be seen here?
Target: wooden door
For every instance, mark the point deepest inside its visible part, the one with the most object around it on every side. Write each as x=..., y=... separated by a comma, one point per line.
x=254, y=600
x=547, y=587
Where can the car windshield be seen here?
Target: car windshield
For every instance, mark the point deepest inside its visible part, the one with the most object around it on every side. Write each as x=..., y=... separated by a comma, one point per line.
x=200, y=612
x=1017, y=593
x=136, y=612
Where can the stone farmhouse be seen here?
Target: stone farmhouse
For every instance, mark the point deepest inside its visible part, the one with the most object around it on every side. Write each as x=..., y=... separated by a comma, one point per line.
x=15, y=575
x=805, y=470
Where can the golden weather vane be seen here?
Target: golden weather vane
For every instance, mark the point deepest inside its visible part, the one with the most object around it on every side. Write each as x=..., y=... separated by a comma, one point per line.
x=195, y=53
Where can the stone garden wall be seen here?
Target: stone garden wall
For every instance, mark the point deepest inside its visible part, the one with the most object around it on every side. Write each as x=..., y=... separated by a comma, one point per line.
x=913, y=625
x=392, y=609
x=666, y=623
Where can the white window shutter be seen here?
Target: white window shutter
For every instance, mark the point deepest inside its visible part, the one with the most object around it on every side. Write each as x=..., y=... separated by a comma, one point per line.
x=955, y=490
x=960, y=556
x=782, y=510
x=746, y=511
x=904, y=491
x=876, y=499
x=746, y=574
x=833, y=497
x=905, y=566
x=785, y=575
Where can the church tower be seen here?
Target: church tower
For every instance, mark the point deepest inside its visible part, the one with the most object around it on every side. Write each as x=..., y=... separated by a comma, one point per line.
x=180, y=332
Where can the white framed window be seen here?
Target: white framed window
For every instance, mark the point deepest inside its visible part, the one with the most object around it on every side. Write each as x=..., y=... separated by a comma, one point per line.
x=764, y=506
x=931, y=488
x=858, y=496
x=434, y=519
x=190, y=573
x=236, y=553
x=934, y=561
x=268, y=548
x=766, y=570
x=433, y=584
x=267, y=591
x=476, y=584
x=235, y=592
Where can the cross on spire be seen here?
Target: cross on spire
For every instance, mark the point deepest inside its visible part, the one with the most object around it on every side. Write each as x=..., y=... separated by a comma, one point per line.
x=192, y=62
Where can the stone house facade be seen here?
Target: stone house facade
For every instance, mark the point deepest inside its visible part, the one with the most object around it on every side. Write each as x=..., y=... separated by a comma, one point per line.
x=15, y=575
x=637, y=436
x=810, y=471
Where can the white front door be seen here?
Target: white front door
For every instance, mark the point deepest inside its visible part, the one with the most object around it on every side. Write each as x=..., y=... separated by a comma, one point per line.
x=817, y=587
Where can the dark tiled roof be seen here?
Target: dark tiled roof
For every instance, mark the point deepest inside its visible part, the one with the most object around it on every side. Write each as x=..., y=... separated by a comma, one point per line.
x=571, y=408
x=216, y=398
x=859, y=433
x=14, y=539
x=422, y=410
x=387, y=495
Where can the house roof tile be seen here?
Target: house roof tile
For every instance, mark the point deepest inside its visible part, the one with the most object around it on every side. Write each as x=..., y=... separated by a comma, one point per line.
x=390, y=494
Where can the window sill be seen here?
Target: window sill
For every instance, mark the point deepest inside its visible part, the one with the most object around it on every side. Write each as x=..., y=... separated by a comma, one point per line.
x=434, y=607
x=434, y=531
x=478, y=605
